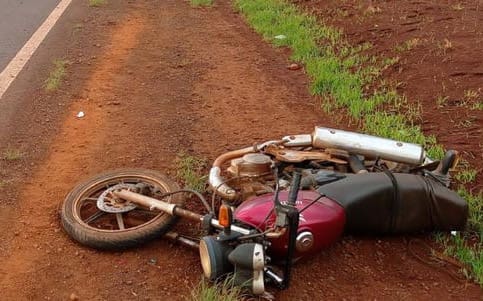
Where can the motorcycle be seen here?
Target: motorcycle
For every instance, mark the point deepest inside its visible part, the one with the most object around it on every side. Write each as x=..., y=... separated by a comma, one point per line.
x=281, y=200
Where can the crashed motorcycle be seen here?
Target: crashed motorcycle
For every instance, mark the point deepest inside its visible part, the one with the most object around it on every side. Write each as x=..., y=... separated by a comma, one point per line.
x=280, y=201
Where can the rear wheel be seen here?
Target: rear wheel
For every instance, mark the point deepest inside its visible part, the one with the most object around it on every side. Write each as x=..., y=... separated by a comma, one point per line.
x=93, y=216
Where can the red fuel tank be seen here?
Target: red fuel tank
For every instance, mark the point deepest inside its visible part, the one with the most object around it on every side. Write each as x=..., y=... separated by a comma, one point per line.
x=320, y=224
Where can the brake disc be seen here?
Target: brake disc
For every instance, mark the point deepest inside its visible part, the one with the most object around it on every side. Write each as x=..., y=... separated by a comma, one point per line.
x=109, y=203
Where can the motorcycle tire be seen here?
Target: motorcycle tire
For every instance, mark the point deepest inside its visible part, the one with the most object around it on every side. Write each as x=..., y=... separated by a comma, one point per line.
x=97, y=230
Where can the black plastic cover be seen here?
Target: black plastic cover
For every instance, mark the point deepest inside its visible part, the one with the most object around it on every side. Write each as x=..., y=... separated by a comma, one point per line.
x=396, y=203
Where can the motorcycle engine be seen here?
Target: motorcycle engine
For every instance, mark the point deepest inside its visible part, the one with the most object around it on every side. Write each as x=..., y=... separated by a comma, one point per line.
x=252, y=171
x=251, y=165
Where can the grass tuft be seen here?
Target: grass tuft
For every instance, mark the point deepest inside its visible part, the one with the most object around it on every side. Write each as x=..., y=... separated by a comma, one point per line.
x=55, y=77
x=408, y=45
x=466, y=176
x=97, y=3
x=471, y=256
x=190, y=170
x=475, y=204
x=198, y=3
x=12, y=155
x=221, y=291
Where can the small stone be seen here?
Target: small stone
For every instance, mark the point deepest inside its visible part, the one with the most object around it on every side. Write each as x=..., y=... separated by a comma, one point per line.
x=73, y=297
x=294, y=67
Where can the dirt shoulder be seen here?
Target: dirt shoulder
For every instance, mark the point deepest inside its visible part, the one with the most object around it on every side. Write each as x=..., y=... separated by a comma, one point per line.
x=435, y=61
x=154, y=79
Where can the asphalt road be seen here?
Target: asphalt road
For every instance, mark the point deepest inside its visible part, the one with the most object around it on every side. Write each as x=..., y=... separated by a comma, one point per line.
x=19, y=19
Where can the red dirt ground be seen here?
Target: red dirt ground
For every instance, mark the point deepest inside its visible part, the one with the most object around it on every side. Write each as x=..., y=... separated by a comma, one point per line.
x=445, y=63
x=156, y=78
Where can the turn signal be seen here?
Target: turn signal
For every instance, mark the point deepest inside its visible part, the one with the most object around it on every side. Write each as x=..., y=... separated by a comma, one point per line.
x=225, y=216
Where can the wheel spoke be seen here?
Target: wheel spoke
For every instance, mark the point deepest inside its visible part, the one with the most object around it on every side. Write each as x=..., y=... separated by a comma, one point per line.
x=120, y=221
x=93, y=217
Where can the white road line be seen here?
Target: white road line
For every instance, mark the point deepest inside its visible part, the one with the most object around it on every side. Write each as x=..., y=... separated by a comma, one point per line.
x=16, y=65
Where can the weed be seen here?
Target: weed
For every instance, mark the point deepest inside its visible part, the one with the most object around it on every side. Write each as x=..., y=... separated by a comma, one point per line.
x=55, y=77
x=470, y=95
x=435, y=151
x=190, y=171
x=97, y=3
x=12, y=155
x=475, y=204
x=470, y=256
x=197, y=3
x=408, y=45
x=439, y=237
x=466, y=176
x=220, y=291
x=441, y=101
x=388, y=62
x=477, y=106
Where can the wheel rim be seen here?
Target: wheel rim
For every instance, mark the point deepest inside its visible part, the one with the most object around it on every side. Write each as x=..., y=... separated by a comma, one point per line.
x=89, y=215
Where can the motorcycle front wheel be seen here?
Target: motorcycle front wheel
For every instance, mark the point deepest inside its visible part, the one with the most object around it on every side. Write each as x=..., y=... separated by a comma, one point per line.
x=92, y=216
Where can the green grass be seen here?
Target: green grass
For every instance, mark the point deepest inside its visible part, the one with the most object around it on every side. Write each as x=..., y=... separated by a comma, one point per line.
x=221, y=291
x=475, y=203
x=471, y=256
x=12, y=155
x=97, y=3
x=56, y=75
x=466, y=176
x=197, y=3
x=341, y=74
x=477, y=106
x=408, y=45
x=190, y=170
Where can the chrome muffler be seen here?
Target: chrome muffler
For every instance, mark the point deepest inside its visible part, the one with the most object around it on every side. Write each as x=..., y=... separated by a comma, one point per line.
x=369, y=146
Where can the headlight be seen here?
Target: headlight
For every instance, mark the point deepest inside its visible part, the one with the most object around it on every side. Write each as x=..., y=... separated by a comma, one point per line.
x=214, y=259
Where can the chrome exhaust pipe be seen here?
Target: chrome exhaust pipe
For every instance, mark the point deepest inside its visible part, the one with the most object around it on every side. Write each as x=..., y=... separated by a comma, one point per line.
x=369, y=146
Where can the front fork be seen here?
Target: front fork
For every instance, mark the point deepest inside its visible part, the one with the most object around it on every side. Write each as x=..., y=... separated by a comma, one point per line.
x=174, y=210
